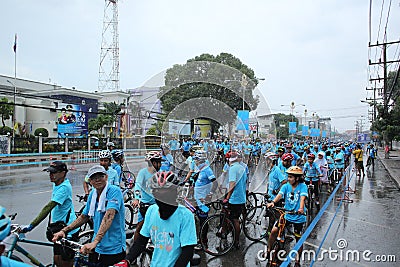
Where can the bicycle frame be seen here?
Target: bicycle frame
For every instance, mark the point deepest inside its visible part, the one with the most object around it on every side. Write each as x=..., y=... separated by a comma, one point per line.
x=17, y=238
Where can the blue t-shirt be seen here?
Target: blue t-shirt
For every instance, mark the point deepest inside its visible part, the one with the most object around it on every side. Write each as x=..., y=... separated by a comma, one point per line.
x=339, y=160
x=114, y=239
x=167, y=163
x=62, y=195
x=311, y=171
x=142, y=187
x=275, y=179
x=205, y=175
x=118, y=169
x=7, y=262
x=113, y=177
x=237, y=174
x=283, y=169
x=186, y=146
x=292, y=201
x=173, y=144
x=169, y=236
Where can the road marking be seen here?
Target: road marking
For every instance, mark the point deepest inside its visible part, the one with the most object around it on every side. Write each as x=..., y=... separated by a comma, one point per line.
x=42, y=192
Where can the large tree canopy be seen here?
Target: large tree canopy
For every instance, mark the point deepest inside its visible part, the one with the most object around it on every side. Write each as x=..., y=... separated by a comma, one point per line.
x=209, y=79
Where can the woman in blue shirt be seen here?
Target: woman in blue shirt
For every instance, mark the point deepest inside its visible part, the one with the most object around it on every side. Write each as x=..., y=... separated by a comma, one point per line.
x=295, y=193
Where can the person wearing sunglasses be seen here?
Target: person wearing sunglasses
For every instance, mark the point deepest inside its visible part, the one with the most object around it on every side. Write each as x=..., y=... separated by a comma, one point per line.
x=295, y=193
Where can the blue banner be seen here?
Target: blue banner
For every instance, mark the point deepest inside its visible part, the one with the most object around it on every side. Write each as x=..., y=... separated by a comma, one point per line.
x=323, y=134
x=292, y=127
x=304, y=130
x=242, y=120
x=315, y=132
x=72, y=120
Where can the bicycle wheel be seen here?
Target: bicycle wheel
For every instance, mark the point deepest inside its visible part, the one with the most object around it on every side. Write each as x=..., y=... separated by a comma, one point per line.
x=129, y=216
x=275, y=255
x=256, y=227
x=144, y=259
x=128, y=176
x=220, y=235
x=85, y=237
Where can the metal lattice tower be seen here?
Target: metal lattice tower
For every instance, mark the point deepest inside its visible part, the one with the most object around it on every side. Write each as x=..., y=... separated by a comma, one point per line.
x=109, y=54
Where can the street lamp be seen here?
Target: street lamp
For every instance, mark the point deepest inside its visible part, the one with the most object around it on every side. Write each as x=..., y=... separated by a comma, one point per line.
x=292, y=107
x=244, y=82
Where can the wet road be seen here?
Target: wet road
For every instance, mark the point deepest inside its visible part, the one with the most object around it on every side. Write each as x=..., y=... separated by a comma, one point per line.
x=368, y=227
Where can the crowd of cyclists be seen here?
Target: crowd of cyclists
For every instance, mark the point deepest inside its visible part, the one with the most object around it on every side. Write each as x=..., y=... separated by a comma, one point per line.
x=288, y=168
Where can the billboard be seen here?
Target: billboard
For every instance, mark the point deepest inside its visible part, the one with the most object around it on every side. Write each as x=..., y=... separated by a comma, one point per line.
x=292, y=127
x=202, y=128
x=72, y=120
x=178, y=127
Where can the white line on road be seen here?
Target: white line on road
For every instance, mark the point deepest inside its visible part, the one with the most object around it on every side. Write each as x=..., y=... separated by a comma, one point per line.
x=42, y=192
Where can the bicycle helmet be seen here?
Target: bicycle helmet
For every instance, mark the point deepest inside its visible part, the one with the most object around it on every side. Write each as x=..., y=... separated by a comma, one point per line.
x=295, y=170
x=311, y=156
x=116, y=154
x=281, y=149
x=200, y=155
x=271, y=155
x=164, y=180
x=110, y=144
x=105, y=154
x=287, y=156
x=153, y=156
x=5, y=224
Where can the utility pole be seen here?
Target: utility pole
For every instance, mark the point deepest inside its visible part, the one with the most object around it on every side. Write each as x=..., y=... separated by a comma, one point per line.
x=385, y=94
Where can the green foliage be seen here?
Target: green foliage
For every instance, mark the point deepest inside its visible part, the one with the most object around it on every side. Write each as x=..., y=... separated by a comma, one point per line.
x=182, y=84
x=283, y=119
x=43, y=131
x=6, y=110
x=5, y=129
x=388, y=122
x=152, y=131
x=105, y=117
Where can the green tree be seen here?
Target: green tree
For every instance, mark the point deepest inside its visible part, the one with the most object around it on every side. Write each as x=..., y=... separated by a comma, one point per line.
x=182, y=84
x=282, y=125
x=388, y=121
x=6, y=110
x=105, y=117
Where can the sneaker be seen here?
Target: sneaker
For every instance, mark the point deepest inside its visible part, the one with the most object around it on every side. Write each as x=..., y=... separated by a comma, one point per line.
x=198, y=247
x=123, y=263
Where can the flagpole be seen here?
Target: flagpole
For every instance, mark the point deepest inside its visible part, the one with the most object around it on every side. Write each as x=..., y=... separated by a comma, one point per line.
x=15, y=83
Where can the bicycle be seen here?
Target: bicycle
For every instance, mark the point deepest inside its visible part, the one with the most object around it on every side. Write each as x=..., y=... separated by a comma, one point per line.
x=12, y=244
x=258, y=221
x=220, y=233
x=79, y=258
x=89, y=224
x=275, y=257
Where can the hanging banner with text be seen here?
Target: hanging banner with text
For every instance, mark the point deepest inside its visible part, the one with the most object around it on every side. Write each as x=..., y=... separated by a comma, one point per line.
x=323, y=134
x=242, y=120
x=304, y=130
x=315, y=132
x=292, y=127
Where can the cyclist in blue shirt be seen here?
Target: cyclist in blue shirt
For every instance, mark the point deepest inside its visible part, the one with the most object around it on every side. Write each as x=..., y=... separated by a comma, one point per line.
x=168, y=161
x=106, y=206
x=143, y=197
x=174, y=145
x=313, y=173
x=171, y=227
x=295, y=193
x=185, y=147
x=5, y=228
x=118, y=156
x=236, y=196
x=61, y=209
x=275, y=177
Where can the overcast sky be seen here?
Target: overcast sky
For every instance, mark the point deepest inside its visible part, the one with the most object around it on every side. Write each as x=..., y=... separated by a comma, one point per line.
x=310, y=52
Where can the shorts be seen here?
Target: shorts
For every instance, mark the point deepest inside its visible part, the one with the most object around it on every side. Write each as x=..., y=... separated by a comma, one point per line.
x=298, y=228
x=67, y=254
x=236, y=210
x=106, y=259
x=360, y=165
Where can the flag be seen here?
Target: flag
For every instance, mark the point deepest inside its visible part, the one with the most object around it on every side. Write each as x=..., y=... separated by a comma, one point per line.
x=15, y=44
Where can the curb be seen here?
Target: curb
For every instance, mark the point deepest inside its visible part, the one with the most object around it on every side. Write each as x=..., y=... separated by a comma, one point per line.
x=392, y=174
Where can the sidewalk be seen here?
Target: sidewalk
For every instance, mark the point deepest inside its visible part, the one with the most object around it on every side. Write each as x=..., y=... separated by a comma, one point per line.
x=392, y=164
